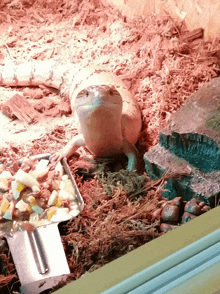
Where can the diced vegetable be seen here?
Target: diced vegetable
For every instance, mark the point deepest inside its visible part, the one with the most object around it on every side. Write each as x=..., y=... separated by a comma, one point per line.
x=26, y=179
x=29, y=204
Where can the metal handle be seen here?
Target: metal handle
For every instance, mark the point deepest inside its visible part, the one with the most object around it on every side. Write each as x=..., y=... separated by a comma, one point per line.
x=38, y=251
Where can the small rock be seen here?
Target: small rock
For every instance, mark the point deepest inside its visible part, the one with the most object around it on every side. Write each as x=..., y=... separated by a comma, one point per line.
x=193, y=208
x=205, y=208
x=187, y=217
x=193, y=200
x=166, y=227
x=170, y=213
x=201, y=204
x=178, y=201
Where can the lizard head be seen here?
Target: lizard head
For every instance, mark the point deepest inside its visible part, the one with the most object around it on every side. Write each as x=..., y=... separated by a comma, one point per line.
x=97, y=99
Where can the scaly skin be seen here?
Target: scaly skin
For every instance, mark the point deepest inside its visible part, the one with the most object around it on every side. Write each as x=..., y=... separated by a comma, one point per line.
x=109, y=119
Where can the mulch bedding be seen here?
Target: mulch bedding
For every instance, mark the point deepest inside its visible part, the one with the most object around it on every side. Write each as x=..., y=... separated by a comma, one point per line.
x=160, y=66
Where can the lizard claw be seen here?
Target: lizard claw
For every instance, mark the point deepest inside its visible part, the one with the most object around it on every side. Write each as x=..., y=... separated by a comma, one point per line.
x=55, y=158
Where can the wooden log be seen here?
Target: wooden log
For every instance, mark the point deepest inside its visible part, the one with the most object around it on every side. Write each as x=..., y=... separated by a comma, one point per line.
x=18, y=106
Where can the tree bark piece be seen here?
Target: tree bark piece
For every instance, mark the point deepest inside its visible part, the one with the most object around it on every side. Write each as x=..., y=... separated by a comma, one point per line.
x=18, y=106
x=193, y=35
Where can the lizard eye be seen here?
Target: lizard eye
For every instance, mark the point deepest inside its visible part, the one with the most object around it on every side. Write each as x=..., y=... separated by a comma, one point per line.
x=83, y=93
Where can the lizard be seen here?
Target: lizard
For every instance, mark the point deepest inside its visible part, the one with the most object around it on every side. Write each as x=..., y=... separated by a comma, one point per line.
x=108, y=116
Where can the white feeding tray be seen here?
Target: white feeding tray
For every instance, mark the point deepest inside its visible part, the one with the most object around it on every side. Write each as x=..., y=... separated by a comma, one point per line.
x=34, y=240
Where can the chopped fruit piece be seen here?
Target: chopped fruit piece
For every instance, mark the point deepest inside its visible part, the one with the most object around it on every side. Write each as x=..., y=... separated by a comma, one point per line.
x=4, y=205
x=59, y=202
x=16, y=188
x=41, y=166
x=37, y=209
x=31, y=201
x=23, y=206
x=42, y=222
x=35, y=197
x=33, y=219
x=67, y=195
x=26, y=179
x=55, y=185
x=9, y=212
x=8, y=215
x=74, y=211
x=41, y=170
x=67, y=186
x=63, y=194
x=35, y=189
x=61, y=215
x=64, y=178
x=6, y=175
x=53, y=198
x=3, y=185
x=59, y=168
x=51, y=211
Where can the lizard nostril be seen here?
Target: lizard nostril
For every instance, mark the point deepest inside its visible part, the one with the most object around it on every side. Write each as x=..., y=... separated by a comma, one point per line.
x=111, y=92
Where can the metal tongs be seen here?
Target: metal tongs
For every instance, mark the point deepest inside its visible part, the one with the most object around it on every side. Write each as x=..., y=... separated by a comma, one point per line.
x=39, y=256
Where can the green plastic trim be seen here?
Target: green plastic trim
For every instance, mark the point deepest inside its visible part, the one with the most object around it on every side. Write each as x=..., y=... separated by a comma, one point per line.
x=146, y=256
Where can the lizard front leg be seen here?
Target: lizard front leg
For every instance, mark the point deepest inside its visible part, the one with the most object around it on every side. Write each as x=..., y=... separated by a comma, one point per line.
x=132, y=153
x=69, y=149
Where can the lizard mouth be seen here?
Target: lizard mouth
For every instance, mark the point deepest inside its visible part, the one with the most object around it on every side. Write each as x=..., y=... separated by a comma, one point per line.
x=98, y=106
x=98, y=96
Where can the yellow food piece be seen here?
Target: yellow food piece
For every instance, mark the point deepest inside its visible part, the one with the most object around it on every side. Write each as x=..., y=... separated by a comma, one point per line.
x=58, y=202
x=16, y=188
x=9, y=212
x=31, y=200
x=51, y=211
x=20, y=187
x=4, y=205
